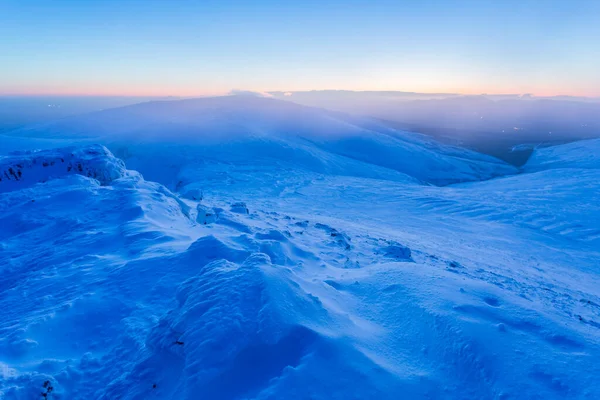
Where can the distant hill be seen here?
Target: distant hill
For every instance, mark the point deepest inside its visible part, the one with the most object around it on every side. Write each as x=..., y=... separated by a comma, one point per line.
x=491, y=124
x=240, y=130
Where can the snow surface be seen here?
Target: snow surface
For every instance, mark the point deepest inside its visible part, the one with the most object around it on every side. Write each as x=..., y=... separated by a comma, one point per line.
x=580, y=154
x=29, y=167
x=273, y=280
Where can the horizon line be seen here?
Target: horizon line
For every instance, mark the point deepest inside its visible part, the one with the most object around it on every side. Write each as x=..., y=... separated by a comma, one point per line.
x=242, y=92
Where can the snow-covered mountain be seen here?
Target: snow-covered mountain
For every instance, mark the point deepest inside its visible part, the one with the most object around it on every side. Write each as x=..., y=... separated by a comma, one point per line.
x=264, y=275
x=247, y=130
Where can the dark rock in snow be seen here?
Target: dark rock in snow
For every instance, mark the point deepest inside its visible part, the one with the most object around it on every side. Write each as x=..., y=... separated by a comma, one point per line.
x=240, y=208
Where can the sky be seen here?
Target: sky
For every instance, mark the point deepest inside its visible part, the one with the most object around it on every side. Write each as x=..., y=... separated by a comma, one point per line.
x=188, y=48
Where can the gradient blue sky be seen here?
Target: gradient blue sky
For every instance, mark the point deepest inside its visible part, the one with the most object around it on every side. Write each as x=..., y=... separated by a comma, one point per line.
x=205, y=47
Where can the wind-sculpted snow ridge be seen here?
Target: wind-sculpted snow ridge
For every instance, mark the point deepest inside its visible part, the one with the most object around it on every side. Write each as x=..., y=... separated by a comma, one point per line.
x=27, y=168
x=304, y=287
x=581, y=154
x=160, y=139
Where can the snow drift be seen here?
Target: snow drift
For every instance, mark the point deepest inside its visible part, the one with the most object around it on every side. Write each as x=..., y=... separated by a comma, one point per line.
x=25, y=168
x=580, y=154
x=338, y=287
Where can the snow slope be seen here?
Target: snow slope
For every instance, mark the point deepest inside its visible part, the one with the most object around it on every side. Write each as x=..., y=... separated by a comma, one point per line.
x=580, y=154
x=170, y=135
x=293, y=283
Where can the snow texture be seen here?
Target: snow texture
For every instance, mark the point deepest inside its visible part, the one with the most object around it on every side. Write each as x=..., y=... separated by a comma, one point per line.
x=31, y=167
x=580, y=154
x=289, y=281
